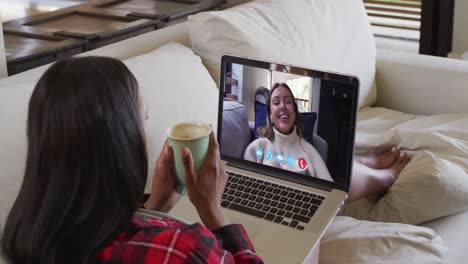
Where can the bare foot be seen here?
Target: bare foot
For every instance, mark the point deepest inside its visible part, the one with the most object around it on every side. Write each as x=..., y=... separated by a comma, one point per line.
x=386, y=177
x=381, y=161
x=400, y=163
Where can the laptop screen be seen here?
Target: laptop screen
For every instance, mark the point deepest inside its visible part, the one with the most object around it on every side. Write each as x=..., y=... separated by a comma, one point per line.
x=297, y=122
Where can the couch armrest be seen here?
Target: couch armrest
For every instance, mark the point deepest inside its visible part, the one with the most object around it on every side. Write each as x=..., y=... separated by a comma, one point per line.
x=420, y=84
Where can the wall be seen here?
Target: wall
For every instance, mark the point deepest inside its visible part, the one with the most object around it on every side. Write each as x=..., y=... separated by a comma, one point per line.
x=460, y=25
x=252, y=79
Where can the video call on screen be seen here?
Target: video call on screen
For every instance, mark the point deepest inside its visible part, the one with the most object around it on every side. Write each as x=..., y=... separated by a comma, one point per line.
x=324, y=105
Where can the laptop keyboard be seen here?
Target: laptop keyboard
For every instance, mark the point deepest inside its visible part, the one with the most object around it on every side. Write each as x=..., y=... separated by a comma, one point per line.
x=273, y=202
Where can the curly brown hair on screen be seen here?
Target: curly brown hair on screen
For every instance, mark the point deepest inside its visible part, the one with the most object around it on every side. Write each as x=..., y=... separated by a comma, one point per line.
x=267, y=130
x=86, y=163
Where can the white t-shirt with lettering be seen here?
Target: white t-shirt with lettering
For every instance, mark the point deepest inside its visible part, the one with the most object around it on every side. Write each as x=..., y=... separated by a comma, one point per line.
x=289, y=152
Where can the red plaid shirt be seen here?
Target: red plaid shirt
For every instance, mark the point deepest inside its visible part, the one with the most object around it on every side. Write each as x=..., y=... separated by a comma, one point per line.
x=164, y=240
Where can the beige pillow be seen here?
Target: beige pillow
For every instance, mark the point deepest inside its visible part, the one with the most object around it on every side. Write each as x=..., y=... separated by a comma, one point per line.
x=320, y=34
x=429, y=187
x=348, y=240
x=176, y=87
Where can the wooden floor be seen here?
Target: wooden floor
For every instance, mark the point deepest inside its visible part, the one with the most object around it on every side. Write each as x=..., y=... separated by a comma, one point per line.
x=13, y=9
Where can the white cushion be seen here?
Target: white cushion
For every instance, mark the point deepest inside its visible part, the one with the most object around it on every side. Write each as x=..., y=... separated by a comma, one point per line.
x=434, y=183
x=450, y=228
x=348, y=240
x=430, y=186
x=14, y=102
x=372, y=121
x=407, y=82
x=176, y=87
x=320, y=34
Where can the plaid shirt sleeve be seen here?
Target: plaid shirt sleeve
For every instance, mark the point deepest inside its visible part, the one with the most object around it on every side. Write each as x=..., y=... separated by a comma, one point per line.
x=234, y=239
x=164, y=240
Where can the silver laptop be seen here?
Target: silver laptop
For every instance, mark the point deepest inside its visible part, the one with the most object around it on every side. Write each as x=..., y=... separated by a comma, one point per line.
x=284, y=207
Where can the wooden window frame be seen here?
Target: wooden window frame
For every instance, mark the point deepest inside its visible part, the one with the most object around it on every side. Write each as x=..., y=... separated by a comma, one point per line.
x=436, y=27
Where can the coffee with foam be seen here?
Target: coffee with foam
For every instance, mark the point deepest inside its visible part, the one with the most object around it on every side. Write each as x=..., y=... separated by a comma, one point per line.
x=189, y=131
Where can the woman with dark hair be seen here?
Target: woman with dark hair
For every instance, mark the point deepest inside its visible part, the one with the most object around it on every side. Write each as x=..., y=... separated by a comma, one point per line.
x=281, y=141
x=85, y=175
x=282, y=138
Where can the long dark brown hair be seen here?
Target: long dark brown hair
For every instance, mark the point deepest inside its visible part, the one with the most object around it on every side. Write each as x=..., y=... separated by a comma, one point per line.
x=86, y=163
x=267, y=131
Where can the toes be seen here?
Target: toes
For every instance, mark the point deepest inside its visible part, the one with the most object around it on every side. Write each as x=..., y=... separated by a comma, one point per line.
x=391, y=154
x=394, y=152
x=401, y=158
x=405, y=158
x=397, y=151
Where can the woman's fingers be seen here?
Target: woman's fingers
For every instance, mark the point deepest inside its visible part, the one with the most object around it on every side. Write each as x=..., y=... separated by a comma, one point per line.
x=190, y=174
x=205, y=188
x=213, y=147
x=162, y=188
x=224, y=178
x=168, y=156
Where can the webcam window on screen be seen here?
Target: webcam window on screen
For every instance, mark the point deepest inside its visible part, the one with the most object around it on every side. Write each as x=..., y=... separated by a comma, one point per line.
x=290, y=121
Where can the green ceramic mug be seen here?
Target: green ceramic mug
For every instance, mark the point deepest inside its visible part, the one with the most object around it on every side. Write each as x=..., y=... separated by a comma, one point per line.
x=196, y=137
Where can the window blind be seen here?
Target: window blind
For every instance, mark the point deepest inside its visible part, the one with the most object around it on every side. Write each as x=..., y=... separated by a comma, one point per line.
x=395, y=18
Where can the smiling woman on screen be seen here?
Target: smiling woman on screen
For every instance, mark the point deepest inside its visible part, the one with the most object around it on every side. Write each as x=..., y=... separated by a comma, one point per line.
x=281, y=143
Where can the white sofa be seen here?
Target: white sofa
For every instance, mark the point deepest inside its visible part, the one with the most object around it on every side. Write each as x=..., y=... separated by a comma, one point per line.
x=416, y=84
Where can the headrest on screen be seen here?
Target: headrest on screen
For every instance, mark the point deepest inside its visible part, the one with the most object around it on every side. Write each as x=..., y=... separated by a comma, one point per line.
x=235, y=134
